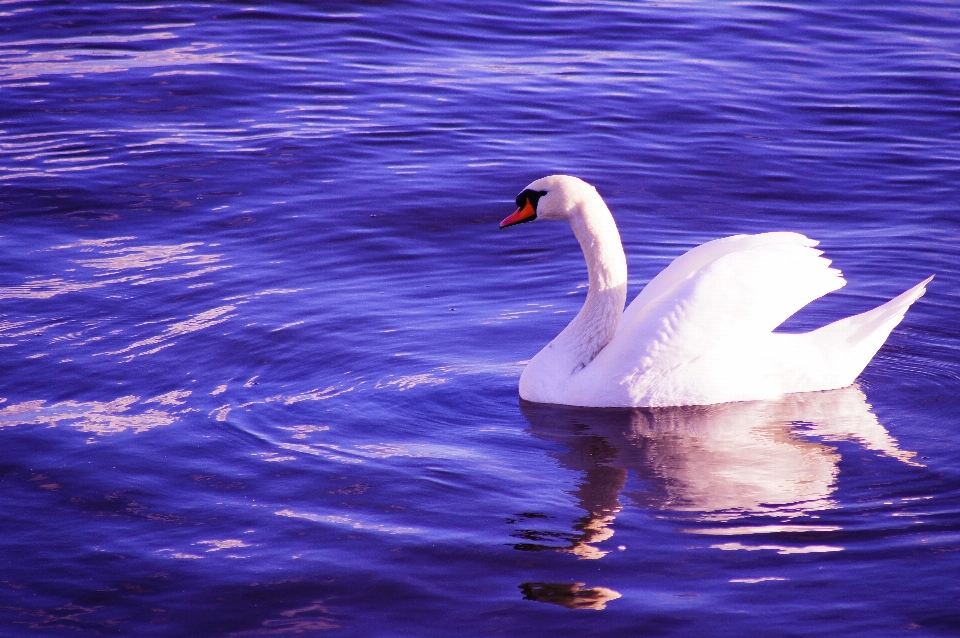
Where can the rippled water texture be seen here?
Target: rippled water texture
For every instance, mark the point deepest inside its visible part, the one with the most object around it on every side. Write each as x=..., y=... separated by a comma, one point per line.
x=261, y=335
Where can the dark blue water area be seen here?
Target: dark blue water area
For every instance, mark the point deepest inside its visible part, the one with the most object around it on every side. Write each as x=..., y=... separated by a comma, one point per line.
x=260, y=334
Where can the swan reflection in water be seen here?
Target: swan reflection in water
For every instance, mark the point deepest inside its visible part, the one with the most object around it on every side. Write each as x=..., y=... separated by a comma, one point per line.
x=725, y=461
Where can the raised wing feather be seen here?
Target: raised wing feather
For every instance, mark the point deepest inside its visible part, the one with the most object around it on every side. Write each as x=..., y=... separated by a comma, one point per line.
x=727, y=298
x=687, y=264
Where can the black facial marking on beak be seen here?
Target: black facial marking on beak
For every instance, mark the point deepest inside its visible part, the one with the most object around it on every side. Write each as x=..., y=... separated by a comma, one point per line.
x=530, y=196
x=526, y=208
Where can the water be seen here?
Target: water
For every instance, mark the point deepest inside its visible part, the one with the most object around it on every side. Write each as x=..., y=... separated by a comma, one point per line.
x=261, y=335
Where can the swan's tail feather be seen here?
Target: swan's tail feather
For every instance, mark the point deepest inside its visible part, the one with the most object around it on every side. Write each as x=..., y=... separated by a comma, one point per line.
x=849, y=344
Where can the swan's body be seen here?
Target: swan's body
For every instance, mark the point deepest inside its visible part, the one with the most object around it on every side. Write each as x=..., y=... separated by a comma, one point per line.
x=701, y=332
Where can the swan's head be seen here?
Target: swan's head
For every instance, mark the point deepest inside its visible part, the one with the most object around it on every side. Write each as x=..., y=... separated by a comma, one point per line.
x=553, y=197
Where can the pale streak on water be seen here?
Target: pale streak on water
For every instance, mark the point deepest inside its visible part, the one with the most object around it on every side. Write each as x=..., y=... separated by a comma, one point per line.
x=261, y=337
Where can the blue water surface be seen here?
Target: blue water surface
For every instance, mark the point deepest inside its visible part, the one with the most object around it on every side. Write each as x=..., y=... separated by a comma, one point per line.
x=260, y=335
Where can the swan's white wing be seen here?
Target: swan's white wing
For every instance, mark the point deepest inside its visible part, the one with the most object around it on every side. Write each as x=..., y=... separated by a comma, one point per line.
x=700, y=339
x=740, y=284
x=681, y=268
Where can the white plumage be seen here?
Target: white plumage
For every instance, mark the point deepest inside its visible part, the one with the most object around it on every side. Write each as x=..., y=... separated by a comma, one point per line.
x=701, y=332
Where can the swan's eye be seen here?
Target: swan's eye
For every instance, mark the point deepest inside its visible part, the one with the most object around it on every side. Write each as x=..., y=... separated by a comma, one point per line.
x=529, y=196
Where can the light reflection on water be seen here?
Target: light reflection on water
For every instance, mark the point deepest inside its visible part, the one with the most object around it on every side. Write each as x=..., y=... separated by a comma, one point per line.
x=81, y=55
x=95, y=417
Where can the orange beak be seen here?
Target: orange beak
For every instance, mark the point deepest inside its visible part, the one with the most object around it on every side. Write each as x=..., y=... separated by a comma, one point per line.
x=525, y=214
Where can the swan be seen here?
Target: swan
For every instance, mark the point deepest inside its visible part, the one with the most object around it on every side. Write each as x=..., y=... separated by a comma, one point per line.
x=701, y=332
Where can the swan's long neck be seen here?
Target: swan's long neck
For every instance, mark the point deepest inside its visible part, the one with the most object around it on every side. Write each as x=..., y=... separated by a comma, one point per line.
x=596, y=323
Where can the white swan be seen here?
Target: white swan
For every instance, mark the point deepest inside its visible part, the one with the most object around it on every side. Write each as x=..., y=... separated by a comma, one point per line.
x=701, y=332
